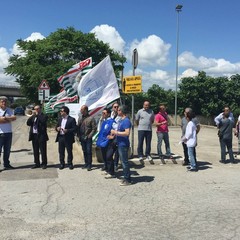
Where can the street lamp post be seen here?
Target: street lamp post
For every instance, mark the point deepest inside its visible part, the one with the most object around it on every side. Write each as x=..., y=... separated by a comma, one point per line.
x=178, y=9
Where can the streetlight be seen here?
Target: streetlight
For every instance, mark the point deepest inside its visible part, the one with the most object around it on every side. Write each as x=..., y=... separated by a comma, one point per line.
x=178, y=9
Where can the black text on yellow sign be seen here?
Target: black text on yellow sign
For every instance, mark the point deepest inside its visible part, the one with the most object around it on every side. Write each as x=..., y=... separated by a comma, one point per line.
x=132, y=84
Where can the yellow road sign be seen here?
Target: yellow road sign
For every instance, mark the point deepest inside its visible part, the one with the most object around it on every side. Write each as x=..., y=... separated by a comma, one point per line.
x=132, y=84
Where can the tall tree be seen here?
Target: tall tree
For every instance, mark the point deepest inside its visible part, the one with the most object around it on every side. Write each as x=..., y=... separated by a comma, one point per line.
x=49, y=58
x=208, y=95
x=157, y=95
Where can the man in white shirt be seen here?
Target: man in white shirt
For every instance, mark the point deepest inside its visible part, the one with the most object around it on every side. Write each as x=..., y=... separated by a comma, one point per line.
x=6, y=118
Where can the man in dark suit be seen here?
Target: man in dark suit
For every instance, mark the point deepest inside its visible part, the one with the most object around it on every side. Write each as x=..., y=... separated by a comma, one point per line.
x=38, y=135
x=66, y=128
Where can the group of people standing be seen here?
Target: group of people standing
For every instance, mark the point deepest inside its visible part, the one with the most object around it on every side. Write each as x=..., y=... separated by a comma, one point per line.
x=113, y=139
x=145, y=119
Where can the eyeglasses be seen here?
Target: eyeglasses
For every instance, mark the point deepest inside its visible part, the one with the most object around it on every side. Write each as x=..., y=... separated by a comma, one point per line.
x=115, y=106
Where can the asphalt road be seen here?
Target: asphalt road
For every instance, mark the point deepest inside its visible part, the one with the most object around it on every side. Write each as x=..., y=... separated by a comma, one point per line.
x=165, y=201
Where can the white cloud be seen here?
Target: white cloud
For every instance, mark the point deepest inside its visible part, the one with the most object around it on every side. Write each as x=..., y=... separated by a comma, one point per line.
x=110, y=35
x=159, y=77
x=188, y=73
x=212, y=66
x=152, y=51
x=33, y=37
x=5, y=54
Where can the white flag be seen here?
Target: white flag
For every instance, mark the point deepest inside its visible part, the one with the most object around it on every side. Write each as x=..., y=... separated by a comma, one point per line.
x=99, y=86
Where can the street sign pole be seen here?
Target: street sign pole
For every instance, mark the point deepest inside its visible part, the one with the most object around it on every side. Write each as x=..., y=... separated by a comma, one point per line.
x=134, y=63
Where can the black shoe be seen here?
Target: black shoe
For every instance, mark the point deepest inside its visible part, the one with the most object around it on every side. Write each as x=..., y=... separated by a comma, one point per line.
x=103, y=168
x=70, y=167
x=185, y=163
x=89, y=169
x=44, y=166
x=84, y=166
x=61, y=167
x=35, y=166
x=192, y=170
x=222, y=161
x=9, y=167
x=234, y=162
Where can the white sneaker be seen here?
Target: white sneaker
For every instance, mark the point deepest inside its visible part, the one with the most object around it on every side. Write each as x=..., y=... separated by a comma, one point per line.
x=149, y=158
x=109, y=176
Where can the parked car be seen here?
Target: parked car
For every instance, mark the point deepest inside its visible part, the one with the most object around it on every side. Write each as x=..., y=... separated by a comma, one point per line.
x=19, y=111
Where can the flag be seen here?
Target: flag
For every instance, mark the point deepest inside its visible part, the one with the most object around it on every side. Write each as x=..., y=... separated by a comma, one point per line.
x=99, y=86
x=69, y=81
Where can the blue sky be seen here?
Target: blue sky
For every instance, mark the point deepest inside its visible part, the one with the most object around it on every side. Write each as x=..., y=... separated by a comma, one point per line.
x=209, y=38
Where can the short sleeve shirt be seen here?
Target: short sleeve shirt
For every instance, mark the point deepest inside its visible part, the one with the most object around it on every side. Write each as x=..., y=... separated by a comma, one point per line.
x=145, y=118
x=6, y=127
x=123, y=141
x=160, y=118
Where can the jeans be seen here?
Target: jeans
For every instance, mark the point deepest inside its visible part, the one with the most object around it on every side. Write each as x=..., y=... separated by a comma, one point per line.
x=87, y=151
x=147, y=135
x=163, y=136
x=6, y=143
x=185, y=150
x=223, y=144
x=123, y=155
x=191, y=157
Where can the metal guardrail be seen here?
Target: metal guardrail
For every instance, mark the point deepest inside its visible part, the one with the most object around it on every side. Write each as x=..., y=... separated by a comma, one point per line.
x=9, y=86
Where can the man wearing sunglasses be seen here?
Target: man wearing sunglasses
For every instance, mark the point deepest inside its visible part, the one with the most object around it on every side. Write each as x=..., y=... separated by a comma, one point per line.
x=38, y=135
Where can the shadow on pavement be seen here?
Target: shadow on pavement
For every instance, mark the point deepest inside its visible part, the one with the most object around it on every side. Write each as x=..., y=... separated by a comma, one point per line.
x=21, y=150
x=140, y=179
x=203, y=165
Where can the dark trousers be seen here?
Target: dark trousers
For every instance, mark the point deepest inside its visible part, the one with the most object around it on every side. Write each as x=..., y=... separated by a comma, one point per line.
x=6, y=143
x=39, y=145
x=223, y=144
x=62, y=145
x=185, y=151
x=147, y=135
x=107, y=154
x=87, y=151
x=116, y=158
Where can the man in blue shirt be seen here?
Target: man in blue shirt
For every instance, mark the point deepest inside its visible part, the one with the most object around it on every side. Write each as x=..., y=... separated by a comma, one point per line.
x=122, y=134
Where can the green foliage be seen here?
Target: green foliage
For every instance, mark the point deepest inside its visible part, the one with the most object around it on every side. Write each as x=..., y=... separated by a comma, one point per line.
x=157, y=95
x=207, y=95
x=49, y=58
